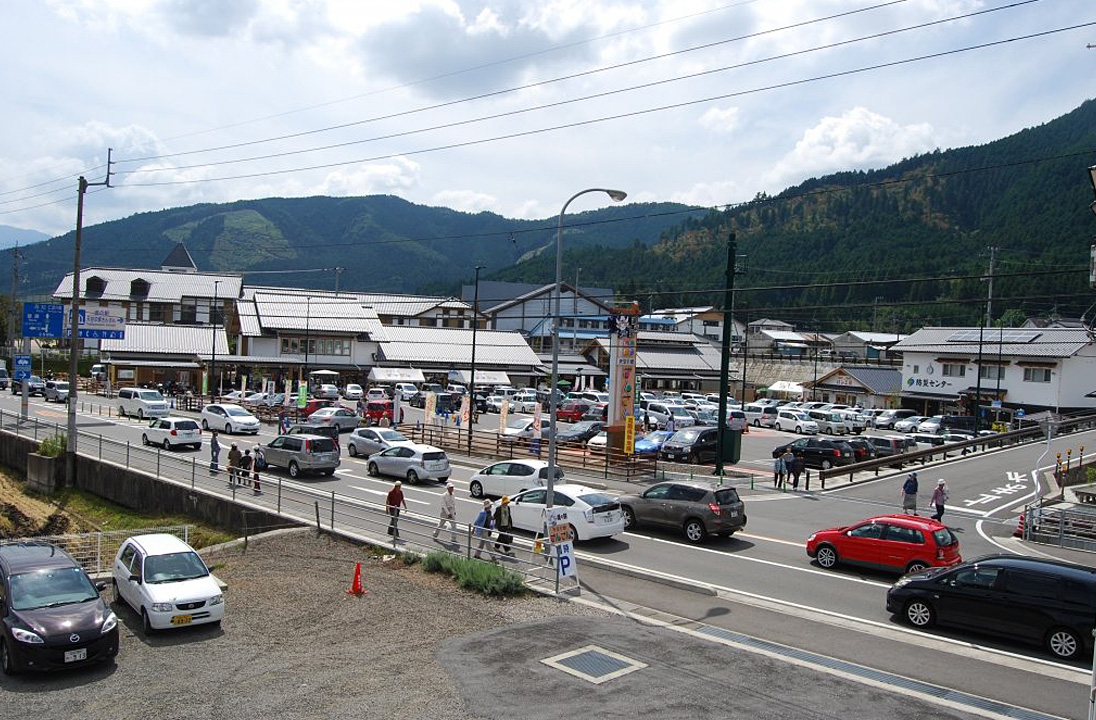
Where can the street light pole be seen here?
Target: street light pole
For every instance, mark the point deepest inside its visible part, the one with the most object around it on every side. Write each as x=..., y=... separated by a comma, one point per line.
x=472, y=375
x=617, y=196
x=213, y=322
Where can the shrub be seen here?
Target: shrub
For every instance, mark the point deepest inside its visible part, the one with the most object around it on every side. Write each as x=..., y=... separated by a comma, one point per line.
x=52, y=446
x=486, y=578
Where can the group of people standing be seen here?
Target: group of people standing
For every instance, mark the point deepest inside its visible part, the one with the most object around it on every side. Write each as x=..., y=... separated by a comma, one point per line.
x=787, y=469
x=243, y=468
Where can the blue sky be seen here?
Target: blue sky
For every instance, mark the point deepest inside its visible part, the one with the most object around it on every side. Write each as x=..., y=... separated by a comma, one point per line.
x=507, y=106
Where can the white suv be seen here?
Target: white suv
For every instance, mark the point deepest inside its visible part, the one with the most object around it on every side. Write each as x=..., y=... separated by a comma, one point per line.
x=172, y=432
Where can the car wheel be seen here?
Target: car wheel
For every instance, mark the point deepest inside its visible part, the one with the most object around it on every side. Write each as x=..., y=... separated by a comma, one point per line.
x=228, y=428
x=476, y=489
x=118, y=599
x=757, y=423
x=574, y=533
x=146, y=623
x=294, y=469
x=121, y=411
x=352, y=449
x=695, y=531
x=826, y=556
x=1064, y=643
x=412, y=477
x=826, y=464
x=205, y=425
x=167, y=445
x=916, y=566
x=372, y=469
x=144, y=439
x=920, y=614
x=798, y=430
x=629, y=517
x=7, y=662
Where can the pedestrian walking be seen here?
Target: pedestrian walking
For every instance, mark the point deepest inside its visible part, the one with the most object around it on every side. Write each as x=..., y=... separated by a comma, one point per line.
x=504, y=526
x=234, y=456
x=778, y=470
x=246, y=463
x=214, y=453
x=789, y=459
x=909, y=494
x=385, y=422
x=939, y=497
x=283, y=423
x=482, y=527
x=796, y=470
x=256, y=460
x=392, y=504
x=646, y=421
x=448, y=513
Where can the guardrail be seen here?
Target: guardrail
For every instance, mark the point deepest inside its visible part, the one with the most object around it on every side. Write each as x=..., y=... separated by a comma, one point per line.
x=1067, y=527
x=328, y=510
x=943, y=452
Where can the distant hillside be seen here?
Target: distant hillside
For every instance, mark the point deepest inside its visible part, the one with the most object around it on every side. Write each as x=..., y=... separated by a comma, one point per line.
x=927, y=216
x=383, y=242
x=11, y=236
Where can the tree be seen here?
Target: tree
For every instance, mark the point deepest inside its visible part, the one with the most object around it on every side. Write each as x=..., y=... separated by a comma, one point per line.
x=1013, y=317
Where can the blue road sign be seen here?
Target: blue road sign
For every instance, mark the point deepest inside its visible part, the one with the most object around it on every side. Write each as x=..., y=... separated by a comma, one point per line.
x=43, y=320
x=22, y=367
x=1020, y=413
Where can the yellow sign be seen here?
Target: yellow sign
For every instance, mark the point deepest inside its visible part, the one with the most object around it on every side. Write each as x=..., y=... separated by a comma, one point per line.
x=629, y=434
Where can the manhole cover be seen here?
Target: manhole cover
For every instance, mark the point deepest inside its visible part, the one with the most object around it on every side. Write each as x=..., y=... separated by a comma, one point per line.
x=594, y=664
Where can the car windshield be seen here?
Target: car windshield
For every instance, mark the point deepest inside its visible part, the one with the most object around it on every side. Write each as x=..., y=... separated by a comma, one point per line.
x=323, y=445
x=726, y=496
x=61, y=386
x=391, y=436
x=658, y=436
x=686, y=436
x=51, y=588
x=186, y=425
x=237, y=412
x=174, y=567
x=596, y=499
x=434, y=456
x=945, y=537
x=150, y=395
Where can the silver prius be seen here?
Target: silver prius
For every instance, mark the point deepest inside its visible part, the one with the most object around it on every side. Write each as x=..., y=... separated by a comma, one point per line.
x=412, y=462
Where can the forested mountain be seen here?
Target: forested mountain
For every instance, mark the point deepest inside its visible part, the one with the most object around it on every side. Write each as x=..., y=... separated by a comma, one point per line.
x=10, y=236
x=930, y=216
x=383, y=243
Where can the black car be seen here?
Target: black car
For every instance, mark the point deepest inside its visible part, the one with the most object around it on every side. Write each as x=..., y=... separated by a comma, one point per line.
x=580, y=432
x=35, y=386
x=819, y=452
x=1044, y=602
x=862, y=449
x=696, y=444
x=53, y=615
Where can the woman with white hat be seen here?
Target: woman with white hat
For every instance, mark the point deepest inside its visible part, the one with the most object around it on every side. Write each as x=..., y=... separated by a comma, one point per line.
x=939, y=497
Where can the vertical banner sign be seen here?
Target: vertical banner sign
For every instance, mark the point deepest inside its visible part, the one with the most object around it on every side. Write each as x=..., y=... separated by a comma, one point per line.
x=302, y=394
x=430, y=407
x=243, y=383
x=504, y=413
x=465, y=411
x=397, y=411
x=288, y=392
x=205, y=382
x=565, y=554
x=534, y=442
x=623, y=327
x=629, y=434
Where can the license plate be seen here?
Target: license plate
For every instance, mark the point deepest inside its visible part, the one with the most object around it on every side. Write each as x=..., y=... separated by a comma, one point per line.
x=435, y=466
x=732, y=513
x=76, y=655
x=670, y=456
x=181, y=620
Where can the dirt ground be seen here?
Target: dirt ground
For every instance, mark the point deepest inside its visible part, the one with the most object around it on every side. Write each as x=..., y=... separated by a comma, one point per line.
x=22, y=515
x=293, y=644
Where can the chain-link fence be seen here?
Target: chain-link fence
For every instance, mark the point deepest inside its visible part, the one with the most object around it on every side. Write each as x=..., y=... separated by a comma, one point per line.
x=95, y=551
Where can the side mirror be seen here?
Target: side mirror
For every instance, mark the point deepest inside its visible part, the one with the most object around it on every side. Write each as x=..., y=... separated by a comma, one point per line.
x=135, y=578
x=100, y=586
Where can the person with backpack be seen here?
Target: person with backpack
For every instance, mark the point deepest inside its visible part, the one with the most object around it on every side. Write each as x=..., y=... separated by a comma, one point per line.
x=482, y=527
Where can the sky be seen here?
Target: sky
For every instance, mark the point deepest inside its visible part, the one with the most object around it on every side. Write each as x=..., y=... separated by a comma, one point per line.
x=507, y=106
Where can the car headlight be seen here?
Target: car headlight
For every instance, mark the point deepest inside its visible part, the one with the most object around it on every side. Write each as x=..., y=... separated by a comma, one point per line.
x=162, y=607
x=216, y=599
x=26, y=636
x=901, y=582
x=812, y=537
x=109, y=624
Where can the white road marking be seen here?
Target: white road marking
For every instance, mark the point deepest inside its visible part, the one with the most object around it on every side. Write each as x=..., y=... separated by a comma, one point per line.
x=385, y=494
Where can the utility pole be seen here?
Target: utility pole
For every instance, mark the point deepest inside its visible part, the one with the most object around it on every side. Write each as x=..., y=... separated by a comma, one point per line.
x=338, y=276
x=725, y=355
x=24, y=401
x=989, y=277
x=82, y=186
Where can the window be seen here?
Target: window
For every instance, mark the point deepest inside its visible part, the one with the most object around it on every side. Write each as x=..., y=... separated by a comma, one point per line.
x=953, y=370
x=156, y=312
x=139, y=288
x=127, y=556
x=657, y=492
x=870, y=531
x=1032, y=585
x=916, y=369
x=686, y=494
x=95, y=286
x=188, y=311
x=217, y=314
x=992, y=372
x=1037, y=374
x=896, y=533
x=975, y=577
x=537, y=497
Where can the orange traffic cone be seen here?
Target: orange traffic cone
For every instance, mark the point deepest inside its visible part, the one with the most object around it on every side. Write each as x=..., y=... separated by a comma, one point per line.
x=1019, y=532
x=356, y=587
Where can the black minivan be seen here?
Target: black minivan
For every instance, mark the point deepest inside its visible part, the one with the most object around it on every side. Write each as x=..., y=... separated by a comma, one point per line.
x=53, y=615
x=1046, y=602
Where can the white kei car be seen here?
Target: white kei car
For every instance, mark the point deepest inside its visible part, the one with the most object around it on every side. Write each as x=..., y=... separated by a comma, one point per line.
x=166, y=582
x=590, y=513
x=509, y=477
x=173, y=432
x=229, y=418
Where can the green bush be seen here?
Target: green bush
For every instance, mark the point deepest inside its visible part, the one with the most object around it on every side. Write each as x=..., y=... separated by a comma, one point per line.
x=486, y=578
x=52, y=446
x=1090, y=474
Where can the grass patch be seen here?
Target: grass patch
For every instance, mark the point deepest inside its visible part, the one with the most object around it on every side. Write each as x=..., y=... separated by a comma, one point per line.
x=53, y=446
x=486, y=578
x=111, y=516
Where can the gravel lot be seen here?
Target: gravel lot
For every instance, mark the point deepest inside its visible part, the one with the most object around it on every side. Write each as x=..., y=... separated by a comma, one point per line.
x=292, y=645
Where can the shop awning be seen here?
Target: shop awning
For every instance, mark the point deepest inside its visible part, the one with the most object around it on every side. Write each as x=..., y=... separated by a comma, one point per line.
x=929, y=396
x=483, y=377
x=154, y=363
x=786, y=386
x=393, y=374
x=331, y=373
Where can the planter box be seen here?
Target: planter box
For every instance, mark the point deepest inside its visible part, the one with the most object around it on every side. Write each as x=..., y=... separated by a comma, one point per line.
x=45, y=474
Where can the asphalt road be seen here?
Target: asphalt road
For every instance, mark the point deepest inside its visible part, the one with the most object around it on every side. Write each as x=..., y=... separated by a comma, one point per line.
x=766, y=563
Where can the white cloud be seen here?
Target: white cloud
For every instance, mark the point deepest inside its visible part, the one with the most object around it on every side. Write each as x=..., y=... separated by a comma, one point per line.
x=389, y=177
x=720, y=120
x=708, y=194
x=857, y=140
x=466, y=200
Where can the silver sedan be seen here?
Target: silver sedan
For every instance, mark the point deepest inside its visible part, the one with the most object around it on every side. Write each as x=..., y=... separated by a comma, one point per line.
x=412, y=462
x=367, y=441
x=340, y=417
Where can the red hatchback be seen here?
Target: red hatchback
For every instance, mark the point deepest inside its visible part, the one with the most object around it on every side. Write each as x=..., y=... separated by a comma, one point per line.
x=905, y=543
x=572, y=410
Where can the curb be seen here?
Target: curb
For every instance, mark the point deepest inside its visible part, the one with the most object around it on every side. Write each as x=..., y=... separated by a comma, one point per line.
x=652, y=576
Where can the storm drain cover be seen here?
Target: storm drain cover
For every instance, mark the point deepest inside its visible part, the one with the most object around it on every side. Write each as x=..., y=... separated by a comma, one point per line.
x=594, y=664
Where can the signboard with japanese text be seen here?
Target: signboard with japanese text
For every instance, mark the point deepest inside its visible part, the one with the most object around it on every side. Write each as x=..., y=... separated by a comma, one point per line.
x=629, y=434
x=623, y=329
x=534, y=442
x=559, y=530
x=302, y=394
x=101, y=323
x=43, y=320
x=565, y=554
x=504, y=413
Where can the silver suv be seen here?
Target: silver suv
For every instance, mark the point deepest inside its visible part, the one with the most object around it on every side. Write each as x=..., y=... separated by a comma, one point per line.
x=694, y=508
x=301, y=453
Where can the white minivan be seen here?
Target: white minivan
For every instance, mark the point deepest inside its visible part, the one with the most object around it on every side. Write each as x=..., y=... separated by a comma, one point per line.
x=760, y=415
x=141, y=403
x=405, y=390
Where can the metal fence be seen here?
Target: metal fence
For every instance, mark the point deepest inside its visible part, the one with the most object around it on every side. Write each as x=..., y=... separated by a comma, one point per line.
x=95, y=551
x=1060, y=524
x=296, y=500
